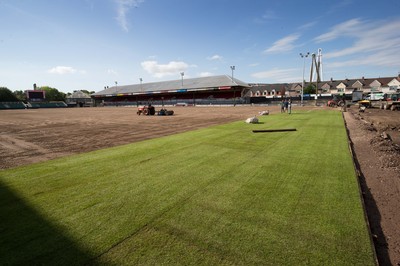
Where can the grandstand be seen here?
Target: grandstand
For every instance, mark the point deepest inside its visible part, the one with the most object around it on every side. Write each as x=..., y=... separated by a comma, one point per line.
x=196, y=91
x=55, y=104
x=31, y=105
x=12, y=105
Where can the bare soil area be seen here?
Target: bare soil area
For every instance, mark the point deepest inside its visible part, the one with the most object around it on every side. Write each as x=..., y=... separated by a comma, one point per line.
x=375, y=139
x=35, y=135
x=29, y=136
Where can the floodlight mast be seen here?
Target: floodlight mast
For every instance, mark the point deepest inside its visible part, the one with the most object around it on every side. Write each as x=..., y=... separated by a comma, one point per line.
x=320, y=63
x=234, y=90
x=317, y=73
x=182, y=74
x=304, y=65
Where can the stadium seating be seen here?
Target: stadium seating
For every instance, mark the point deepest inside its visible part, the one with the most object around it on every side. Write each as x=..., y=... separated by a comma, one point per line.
x=12, y=105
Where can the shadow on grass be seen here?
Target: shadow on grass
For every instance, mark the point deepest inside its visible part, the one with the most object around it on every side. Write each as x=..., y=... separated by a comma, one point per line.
x=27, y=238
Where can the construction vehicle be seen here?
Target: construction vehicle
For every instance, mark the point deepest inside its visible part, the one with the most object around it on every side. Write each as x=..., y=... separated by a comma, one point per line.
x=390, y=101
x=164, y=111
x=150, y=110
x=146, y=110
x=336, y=101
x=365, y=103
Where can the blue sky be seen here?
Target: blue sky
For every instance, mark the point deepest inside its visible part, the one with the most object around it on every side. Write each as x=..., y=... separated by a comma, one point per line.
x=88, y=44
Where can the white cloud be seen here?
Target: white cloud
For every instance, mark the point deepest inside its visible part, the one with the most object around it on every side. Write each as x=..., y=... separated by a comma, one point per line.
x=214, y=58
x=337, y=6
x=112, y=72
x=267, y=16
x=206, y=74
x=62, y=70
x=308, y=25
x=389, y=58
x=375, y=43
x=278, y=75
x=283, y=45
x=350, y=27
x=123, y=7
x=159, y=70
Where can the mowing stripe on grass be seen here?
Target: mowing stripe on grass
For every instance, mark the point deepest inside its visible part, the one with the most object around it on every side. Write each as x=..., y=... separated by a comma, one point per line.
x=220, y=195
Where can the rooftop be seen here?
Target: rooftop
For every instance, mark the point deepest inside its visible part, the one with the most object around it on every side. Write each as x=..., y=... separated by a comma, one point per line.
x=191, y=84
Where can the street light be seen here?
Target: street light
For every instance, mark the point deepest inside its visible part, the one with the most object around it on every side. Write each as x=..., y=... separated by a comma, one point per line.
x=304, y=65
x=116, y=87
x=182, y=74
x=141, y=89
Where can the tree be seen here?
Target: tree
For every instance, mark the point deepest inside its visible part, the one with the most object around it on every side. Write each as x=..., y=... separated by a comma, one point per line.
x=6, y=95
x=20, y=95
x=310, y=89
x=53, y=94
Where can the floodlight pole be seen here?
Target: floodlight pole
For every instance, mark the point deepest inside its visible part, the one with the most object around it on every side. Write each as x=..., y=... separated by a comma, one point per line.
x=234, y=92
x=182, y=74
x=304, y=65
x=141, y=88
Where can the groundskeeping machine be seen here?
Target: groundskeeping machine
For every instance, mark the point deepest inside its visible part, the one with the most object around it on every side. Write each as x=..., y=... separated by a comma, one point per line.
x=151, y=110
x=390, y=101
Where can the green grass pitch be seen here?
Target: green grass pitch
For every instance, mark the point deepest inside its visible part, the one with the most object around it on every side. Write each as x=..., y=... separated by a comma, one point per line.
x=215, y=196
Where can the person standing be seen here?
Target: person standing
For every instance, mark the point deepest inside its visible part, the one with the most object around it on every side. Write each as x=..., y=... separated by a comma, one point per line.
x=344, y=109
x=283, y=106
x=286, y=105
x=289, y=106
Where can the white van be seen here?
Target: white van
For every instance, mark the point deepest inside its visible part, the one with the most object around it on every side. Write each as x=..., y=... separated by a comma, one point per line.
x=374, y=96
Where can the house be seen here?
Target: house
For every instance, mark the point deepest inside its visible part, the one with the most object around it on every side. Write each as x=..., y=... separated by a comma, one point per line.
x=79, y=99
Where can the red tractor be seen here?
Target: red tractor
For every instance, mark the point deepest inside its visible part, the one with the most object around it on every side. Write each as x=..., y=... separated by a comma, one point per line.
x=336, y=101
x=146, y=110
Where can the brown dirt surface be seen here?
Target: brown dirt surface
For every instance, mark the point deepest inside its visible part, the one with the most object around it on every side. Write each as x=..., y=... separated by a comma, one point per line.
x=375, y=139
x=35, y=135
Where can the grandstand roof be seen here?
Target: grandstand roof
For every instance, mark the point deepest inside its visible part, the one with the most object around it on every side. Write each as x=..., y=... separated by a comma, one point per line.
x=192, y=84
